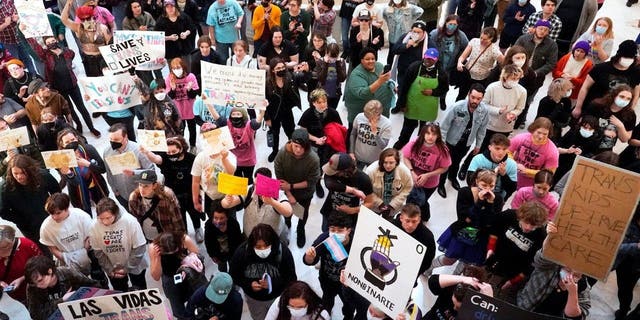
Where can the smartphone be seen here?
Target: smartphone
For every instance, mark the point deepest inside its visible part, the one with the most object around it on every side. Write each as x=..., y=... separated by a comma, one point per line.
x=177, y=278
x=9, y=288
x=387, y=68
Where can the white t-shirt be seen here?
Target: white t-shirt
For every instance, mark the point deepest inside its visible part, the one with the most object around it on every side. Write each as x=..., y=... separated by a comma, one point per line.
x=118, y=239
x=68, y=236
x=208, y=169
x=376, y=12
x=272, y=314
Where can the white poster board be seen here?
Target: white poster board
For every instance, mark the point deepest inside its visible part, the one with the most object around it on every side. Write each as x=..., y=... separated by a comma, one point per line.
x=154, y=42
x=127, y=54
x=233, y=86
x=141, y=304
x=383, y=263
x=33, y=19
x=109, y=93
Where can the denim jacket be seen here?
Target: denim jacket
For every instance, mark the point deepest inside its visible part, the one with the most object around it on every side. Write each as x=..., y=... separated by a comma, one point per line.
x=456, y=119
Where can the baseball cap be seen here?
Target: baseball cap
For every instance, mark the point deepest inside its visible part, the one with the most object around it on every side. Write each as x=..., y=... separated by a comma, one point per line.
x=147, y=177
x=364, y=15
x=219, y=288
x=543, y=23
x=431, y=53
x=337, y=162
x=169, y=2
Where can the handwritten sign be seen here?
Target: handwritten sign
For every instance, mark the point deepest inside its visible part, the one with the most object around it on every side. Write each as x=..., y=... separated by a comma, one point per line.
x=109, y=93
x=266, y=186
x=154, y=44
x=594, y=213
x=476, y=305
x=232, y=185
x=234, y=87
x=14, y=138
x=33, y=19
x=218, y=140
x=57, y=159
x=147, y=304
x=117, y=163
x=125, y=55
x=153, y=140
x=383, y=262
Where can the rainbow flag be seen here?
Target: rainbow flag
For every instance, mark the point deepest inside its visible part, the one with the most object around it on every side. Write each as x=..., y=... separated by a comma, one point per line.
x=335, y=247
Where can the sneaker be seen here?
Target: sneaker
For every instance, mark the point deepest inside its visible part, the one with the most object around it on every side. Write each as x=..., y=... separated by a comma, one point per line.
x=442, y=191
x=97, y=114
x=462, y=175
x=301, y=238
x=272, y=156
x=95, y=133
x=319, y=190
x=455, y=184
x=199, y=236
x=193, y=150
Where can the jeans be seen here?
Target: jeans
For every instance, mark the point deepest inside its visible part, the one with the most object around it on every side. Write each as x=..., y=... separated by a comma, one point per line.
x=18, y=51
x=457, y=152
x=223, y=50
x=346, y=26
x=452, y=6
x=420, y=197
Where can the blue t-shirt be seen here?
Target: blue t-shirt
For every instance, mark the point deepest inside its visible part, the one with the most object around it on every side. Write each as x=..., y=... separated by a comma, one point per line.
x=223, y=19
x=480, y=161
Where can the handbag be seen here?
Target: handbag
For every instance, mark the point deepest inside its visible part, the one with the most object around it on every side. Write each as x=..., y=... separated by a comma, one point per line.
x=458, y=78
x=468, y=235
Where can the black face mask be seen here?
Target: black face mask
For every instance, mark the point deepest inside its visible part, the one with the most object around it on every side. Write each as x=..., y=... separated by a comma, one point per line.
x=174, y=157
x=370, y=2
x=53, y=46
x=115, y=145
x=237, y=122
x=281, y=73
x=73, y=145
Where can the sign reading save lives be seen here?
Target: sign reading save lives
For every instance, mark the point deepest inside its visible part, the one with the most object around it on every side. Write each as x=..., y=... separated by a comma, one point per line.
x=142, y=304
x=127, y=54
x=597, y=205
x=383, y=263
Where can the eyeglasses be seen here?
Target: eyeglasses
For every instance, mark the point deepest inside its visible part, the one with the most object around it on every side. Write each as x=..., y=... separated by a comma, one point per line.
x=432, y=124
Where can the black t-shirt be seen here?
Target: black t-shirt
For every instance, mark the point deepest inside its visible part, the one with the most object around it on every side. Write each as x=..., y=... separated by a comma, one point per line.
x=606, y=77
x=62, y=80
x=603, y=113
x=311, y=121
x=329, y=268
x=566, y=11
x=269, y=52
x=443, y=308
x=424, y=236
x=358, y=180
x=178, y=173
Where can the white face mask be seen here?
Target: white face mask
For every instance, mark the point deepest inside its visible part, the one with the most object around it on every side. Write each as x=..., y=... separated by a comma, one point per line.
x=264, y=253
x=519, y=63
x=177, y=72
x=568, y=94
x=586, y=133
x=511, y=84
x=297, y=313
x=621, y=102
x=340, y=236
x=160, y=95
x=626, y=62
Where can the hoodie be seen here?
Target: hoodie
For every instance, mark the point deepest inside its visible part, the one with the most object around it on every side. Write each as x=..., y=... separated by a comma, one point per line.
x=293, y=170
x=505, y=185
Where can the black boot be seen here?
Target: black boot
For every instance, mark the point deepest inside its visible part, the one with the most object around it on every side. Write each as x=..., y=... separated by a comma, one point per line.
x=319, y=190
x=301, y=238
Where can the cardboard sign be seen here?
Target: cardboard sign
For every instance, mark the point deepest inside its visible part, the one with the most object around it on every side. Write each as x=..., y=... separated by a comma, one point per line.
x=218, y=140
x=33, y=19
x=141, y=304
x=232, y=185
x=109, y=93
x=153, y=140
x=383, y=263
x=268, y=187
x=117, y=163
x=14, y=138
x=153, y=42
x=476, y=305
x=57, y=159
x=234, y=87
x=126, y=55
x=595, y=209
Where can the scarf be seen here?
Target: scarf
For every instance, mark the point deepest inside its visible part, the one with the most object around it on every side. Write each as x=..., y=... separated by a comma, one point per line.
x=573, y=66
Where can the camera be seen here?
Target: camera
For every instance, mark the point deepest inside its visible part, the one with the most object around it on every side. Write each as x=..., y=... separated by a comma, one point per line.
x=207, y=312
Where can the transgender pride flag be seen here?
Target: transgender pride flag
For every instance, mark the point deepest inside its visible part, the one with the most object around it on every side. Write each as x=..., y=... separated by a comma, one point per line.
x=335, y=247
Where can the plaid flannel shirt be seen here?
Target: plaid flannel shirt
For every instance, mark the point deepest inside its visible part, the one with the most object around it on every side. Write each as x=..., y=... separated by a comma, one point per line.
x=556, y=24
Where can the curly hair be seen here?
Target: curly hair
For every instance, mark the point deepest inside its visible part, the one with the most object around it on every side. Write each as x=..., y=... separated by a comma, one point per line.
x=29, y=167
x=299, y=290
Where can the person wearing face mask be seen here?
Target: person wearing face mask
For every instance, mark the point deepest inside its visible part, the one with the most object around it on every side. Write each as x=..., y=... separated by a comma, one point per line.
x=615, y=115
x=539, y=192
x=557, y=106
x=581, y=140
x=59, y=74
x=41, y=97
x=175, y=165
x=298, y=302
x=263, y=267
x=85, y=182
x=91, y=35
x=620, y=69
x=600, y=39
x=183, y=88
x=534, y=151
x=341, y=227
x=575, y=67
x=160, y=112
x=243, y=131
x=409, y=47
x=265, y=17
x=425, y=83
x=399, y=15
x=282, y=97
x=514, y=18
x=222, y=235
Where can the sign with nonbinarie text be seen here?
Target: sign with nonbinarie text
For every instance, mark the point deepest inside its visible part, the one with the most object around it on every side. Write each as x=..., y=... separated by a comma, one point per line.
x=594, y=213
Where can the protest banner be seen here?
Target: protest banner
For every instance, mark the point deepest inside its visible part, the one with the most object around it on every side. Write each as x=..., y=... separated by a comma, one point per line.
x=141, y=304
x=595, y=209
x=266, y=186
x=14, y=138
x=383, y=263
x=234, y=87
x=476, y=305
x=232, y=185
x=153, y=42
x=33, y=19
x=117, y=163
x=57, y=159
x=109, y=93
x=153, y=140
x=218, y=140
x=126, y=55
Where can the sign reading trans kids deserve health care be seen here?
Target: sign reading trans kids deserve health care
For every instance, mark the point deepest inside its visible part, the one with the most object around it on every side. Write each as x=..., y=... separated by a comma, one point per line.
x=597, y=205
x=383, y=263
x=109, y=93
x=141, y=304
x=233, y=86
x=153, y=43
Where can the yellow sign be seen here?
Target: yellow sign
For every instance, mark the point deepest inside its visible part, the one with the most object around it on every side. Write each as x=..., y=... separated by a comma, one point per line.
x=232, y=185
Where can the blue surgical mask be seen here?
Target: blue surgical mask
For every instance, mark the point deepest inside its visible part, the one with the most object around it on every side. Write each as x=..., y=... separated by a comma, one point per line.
x=586, y=133
x=621, y=102
x=522, y=2
x=339, y=236
x=452, y=27
x=601, y=30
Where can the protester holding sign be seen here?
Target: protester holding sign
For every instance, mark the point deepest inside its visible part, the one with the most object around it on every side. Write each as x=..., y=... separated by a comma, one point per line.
x=119, y=245
x=182, y=89
x=451, y=290
x=222, y=235
x=91, y=35
x=204, y=173
x=243, y=132
x=50, y=285
x=298, y=302
x=160, y=112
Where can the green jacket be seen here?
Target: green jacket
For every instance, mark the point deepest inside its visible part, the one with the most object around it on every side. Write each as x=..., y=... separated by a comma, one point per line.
x=357, y=92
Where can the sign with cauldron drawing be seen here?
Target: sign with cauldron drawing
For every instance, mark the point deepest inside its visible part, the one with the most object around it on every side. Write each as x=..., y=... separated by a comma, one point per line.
x=383, y=263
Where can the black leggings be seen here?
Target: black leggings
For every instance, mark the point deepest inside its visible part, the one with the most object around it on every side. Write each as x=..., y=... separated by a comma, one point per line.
x=191, y=125
x=287, y=124
x=75, y=96
x=627, y=277
x=245, y=172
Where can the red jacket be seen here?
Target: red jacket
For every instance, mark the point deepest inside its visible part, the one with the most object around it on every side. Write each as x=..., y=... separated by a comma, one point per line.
x=336, y=136
x=578, y=81
x=49, y=57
